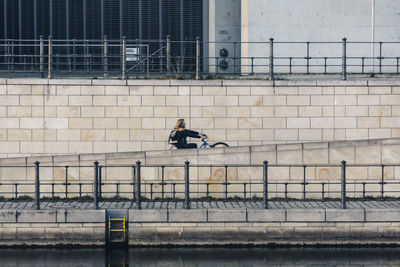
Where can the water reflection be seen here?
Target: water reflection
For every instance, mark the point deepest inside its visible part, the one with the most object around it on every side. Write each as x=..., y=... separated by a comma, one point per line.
x=200, y=257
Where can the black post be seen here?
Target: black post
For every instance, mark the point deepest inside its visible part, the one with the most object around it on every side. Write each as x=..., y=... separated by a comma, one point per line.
x=304, y=182
x=96, y=185
x=343, y=184
x=187, y=196
x=138, y=200
x=344, y=59
x=226, y=182
x=271, y=59
x=383, y=181
x=37, y=186
x=265, y=186
x=100, y=183
x=66, y=182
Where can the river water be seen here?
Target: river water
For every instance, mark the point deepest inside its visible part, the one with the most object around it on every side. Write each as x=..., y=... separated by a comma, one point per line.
x=200, y=257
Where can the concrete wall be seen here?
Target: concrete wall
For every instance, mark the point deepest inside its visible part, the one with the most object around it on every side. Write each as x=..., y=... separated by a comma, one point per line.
x=55, y=117
x=262, y=227
x=320, y=21
x=52, y=227
x=81, y=170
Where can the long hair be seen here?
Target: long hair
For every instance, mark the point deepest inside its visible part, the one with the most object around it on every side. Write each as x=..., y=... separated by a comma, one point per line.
x=179, y=124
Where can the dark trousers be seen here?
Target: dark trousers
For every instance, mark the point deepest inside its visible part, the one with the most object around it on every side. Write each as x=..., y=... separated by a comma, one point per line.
x=190, y=145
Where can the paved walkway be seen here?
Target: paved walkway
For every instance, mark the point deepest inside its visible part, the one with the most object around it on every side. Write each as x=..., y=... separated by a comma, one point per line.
x=205, y=205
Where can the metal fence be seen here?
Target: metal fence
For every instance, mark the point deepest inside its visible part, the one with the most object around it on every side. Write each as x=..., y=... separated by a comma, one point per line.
x=139, y=186
x=49, y=58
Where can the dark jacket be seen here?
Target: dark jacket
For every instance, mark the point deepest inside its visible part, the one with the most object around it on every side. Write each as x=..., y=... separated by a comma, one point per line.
x=181, y=136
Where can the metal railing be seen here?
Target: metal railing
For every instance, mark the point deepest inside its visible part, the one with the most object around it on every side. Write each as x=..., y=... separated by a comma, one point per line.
x=135, y=184
x=50, y=58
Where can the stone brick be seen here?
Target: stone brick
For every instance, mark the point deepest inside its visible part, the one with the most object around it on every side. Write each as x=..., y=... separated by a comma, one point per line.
x=322, y=123
x=380, y=111
x=19, y=135
x=78, y=100
x=36, y=216
x=8, y=216
x=389, y=99
x=357, y=111
x=250, y=123
x=266, y=215
x=117, y=135
x=56, y=147
x=274, y=123
x=290, y=157
x=262, y=134
x=226, y=101
x=322, y=100
x=236, y=135
x=250, y=101
x=141, y=112
x=68, y=90
x=92, y=135
x=147, y=216
x=31, y=100
x=55, y=123
x=212, y=112
x=368, y=122
x=9, y=100
x=262, y=112
x=117, y=112
x=143, y=135
x=196, y=216
x=130, y=101
x=92, y=90
x=274, y=100
x=117, y=90
x=379, y=133
x=140, y=90
x=292, y=90
x=257, y=90
x=298, y=123
x=346, y=100
x=68, y=135
x=85, y=216
x=80, y=147
x=19, y=89
x=165, y=112
x=356, y=134
x=202, y=123
x=68, y=112
x=153, y=100
x=345, y=122
x=80, y=123
x=104, y=147
x=226, y=123
x=330, y=111
x=214, y=90
x=226, y=215
x=382, y=215
x=105, y=123
x=19, y=112
x=152, y=123
x=91, y=112
x=310, y=134
x=305, y=215
x=390, y=122
x=177, y=100
x=236, y=90
x=368, y=100
x=26, y=123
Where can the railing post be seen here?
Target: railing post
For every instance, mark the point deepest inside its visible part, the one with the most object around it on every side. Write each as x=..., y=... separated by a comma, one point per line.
x=100, y=183
x=265, y=185
x=198, y=58
x=271, y=58
x=138, y=193
x=41, y=55
x=383, y=181
x=344, y=64
x=37, y=186
x=304, y=182
x=66, y=181
x=226, y=182
x=96, y=185
x=187, y=194
x=343, y=191
x=105, y=57
x=49, y=67
x=123, y=58
x=168, y=54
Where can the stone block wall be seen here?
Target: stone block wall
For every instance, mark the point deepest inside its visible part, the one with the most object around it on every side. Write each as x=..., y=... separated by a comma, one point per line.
x=49, y=117
x=325, y=160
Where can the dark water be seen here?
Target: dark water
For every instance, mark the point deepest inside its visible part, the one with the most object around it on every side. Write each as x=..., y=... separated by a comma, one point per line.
x=200, y=257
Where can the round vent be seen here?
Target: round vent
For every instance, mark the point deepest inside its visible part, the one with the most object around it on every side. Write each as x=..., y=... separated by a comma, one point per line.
x=223, y=52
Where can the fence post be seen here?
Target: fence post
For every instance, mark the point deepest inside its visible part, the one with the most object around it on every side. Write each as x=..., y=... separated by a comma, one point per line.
x=41, y=55
x=49, y=67
x=138, y=193
x=105, y=56
x=304, y=182
x=96, y=185
x=37, y=186
x=123, y=58
x=198, y=58
x=100, y=184
x=265, y=185
x=343, y=191
x=66, y=181
x=187, y=196
x=383, y=181
x=168, y=54
x=344, y=71
x=271, y=59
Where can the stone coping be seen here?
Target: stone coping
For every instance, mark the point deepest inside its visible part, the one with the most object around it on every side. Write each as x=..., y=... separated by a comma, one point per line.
x=155, y=82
